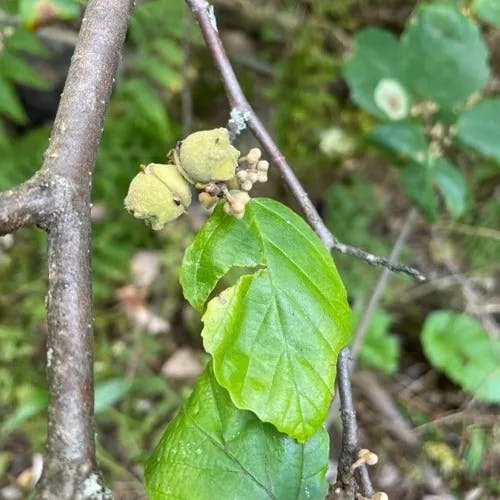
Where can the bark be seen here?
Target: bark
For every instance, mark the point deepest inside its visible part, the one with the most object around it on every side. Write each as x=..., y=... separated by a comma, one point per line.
x=57, y=198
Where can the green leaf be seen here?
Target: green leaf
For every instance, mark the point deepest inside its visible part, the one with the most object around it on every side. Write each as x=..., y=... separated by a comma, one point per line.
x=380, y=348
x=214, y=450
x=21, y=39
x=109, y=392
x=452, y=185
x=32, y=12
x=487, y=10
x=457, y=345
x=416, y=180
x=35, y=404
x=477, y=448
x=479, y=127
x=445, y=55
x=19, y=71
x=377, y=58
x=149, y=110
x=9, y=103
x=405, y=139
x=276, y=334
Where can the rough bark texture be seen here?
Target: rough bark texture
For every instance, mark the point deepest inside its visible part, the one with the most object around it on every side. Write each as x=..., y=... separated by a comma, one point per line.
x=57, y=198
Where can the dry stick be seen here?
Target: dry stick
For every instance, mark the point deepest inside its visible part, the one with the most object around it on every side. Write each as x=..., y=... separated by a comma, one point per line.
x=348, y=443
x=383, y=403
x=380, y=286
x=57, y=198
x=375, y=297
x=242, y=115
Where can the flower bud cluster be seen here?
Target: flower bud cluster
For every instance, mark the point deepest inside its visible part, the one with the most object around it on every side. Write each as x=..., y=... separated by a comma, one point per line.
x=236, y=201
x=255, y=171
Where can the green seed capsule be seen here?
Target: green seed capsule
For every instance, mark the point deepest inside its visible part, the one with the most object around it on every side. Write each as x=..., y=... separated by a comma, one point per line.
x=158, y=194
x=207, y=156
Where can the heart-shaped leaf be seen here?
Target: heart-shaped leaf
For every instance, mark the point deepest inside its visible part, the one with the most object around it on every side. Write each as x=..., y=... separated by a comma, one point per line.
x=276, y=334
x=445, y=56
x=375, y=74
x=214, y=450
x=458, y=345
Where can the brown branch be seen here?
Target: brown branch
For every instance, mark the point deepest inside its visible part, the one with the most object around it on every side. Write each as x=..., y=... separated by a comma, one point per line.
x=380, y=286
x=57, y=198
x=70, y=461
x=24, y=205
x=349, y=445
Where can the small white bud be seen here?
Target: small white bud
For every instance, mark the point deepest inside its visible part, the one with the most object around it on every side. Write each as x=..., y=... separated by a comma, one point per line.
x=253, y=176
x=253, y=156
x=263, y=166
x=262, y=177
x=246, y=185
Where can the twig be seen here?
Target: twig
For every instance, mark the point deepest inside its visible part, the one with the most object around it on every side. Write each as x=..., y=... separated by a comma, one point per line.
x=473, y=300
x=349, y=445
x=24, y=205
x=242, y=113
x=57, y=198
x=479, y=232
x=383, y=404
x=186, y=97
x=459, y=417
x=362, y=328
x=380, y=286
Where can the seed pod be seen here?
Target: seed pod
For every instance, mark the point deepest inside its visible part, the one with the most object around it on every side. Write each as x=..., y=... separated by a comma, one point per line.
x=158, y=194
x=207, y=156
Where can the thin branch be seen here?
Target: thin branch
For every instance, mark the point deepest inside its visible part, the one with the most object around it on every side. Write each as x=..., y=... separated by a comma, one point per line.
x=380, y=286
x=349, y=445
x=186, y=97
x=24, y=205
x=395, y=423
x=242, y=113
x=363, y=325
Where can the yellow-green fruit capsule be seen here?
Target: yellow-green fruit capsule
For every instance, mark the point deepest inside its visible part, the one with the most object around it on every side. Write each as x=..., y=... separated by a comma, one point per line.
x=158, y=194
x=207, y=156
